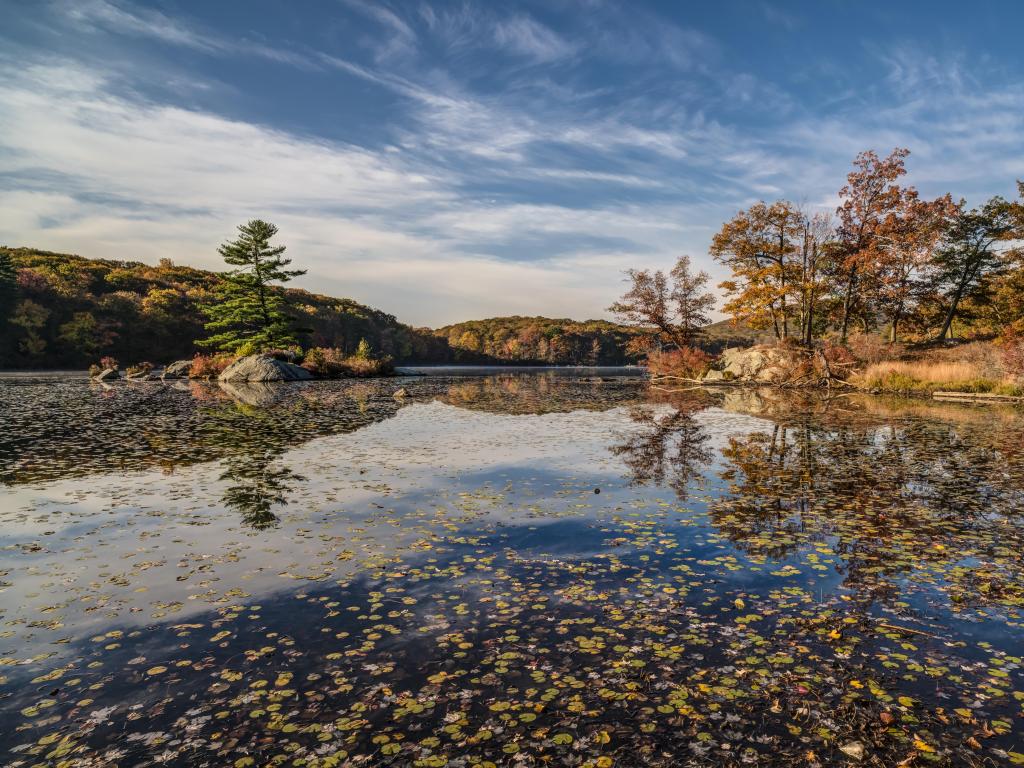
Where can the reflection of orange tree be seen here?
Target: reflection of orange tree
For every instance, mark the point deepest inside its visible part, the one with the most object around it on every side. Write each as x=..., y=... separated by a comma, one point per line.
x=888, y=500
x=671, y=449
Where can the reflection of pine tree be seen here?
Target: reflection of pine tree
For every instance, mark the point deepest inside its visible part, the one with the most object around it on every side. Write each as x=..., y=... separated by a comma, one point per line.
x=257, y=488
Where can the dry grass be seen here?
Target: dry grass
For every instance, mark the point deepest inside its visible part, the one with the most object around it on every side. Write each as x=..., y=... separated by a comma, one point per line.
x=950, y=372
x=932, y=375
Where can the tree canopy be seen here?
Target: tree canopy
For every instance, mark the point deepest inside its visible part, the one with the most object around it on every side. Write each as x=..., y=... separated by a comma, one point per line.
x=247, y=309
x=672, y=308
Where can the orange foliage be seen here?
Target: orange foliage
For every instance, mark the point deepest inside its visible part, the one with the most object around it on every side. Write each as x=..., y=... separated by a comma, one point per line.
x=688, y=362
x=209, y=366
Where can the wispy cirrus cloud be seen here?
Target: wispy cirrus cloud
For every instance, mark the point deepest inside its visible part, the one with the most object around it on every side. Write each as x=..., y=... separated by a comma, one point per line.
x=527, y=37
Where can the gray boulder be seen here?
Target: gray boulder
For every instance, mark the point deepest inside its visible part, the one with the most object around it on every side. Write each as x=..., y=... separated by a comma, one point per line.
x=177, y=370
x=109, y=374
x=761, y=364
x=714, y=376
x=263, y=368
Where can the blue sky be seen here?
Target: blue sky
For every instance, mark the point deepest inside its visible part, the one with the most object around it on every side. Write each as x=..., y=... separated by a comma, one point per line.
x=454, y=160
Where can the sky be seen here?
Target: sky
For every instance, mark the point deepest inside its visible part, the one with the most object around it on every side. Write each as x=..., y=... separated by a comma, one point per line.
x=447, y=161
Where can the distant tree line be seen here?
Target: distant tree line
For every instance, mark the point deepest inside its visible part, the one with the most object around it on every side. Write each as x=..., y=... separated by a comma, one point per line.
x=539, y=340
x=63, y=311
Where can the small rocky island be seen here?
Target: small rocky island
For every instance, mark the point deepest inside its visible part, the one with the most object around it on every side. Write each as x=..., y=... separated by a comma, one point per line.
x=261, y=367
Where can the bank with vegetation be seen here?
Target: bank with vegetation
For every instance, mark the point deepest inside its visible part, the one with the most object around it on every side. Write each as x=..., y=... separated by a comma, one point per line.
x=891, y=292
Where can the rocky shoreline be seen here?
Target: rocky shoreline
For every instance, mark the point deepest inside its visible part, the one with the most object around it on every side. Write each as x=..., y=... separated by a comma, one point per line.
x=249, y=369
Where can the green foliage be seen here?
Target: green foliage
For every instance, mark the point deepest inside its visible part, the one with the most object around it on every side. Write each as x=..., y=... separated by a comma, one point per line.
x=247, y=308
x=970, y=251
x=363, y=351
x=31, y=318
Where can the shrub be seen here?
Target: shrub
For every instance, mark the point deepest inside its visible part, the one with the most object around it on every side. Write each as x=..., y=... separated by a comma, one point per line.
x=688, y=362
x=285, y=355
x=248, y=348
x=323, y=361
x=315, y=360
x=838, y=356
x=94, y=370
x=108, y=362
x=331, y=363
x=143, y=367
x=871, y=348
x=209, y=366
x=363, y=351
x=361, y=368
x=1012, y=347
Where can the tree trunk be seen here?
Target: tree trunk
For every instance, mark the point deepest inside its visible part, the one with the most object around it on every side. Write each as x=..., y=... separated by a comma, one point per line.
x=895, y=324
x=847, y=303
x=809, y=329
x=948, y=322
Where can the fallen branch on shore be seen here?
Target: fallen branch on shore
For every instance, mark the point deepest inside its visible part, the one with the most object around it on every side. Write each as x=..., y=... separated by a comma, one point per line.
x=976, y=397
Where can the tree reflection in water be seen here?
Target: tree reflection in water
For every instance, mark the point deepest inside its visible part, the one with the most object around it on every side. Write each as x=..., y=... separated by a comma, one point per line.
x=671, y=451
x=257, y=488
x=882, y=498
x=889, y=499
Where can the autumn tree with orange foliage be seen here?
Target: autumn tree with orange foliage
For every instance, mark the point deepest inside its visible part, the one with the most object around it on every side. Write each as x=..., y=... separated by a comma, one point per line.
x=775, y=252
x=871, y=205
x=674, y=307
x=907, y=243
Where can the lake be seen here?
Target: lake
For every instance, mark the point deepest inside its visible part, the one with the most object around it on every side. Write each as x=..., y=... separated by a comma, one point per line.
x=519, y=568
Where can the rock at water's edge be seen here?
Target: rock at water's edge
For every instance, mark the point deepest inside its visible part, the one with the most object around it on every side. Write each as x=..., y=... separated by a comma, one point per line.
x=108, y=375
x=177, y=370
x=761, y=364
x=263, y=368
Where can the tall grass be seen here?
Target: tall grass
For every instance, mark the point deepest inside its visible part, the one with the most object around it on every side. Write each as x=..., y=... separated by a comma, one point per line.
x=929, y=376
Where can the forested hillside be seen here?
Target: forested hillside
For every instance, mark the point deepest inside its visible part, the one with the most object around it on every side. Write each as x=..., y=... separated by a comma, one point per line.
x=59, y=310
x=540, y=340
x=68, y=311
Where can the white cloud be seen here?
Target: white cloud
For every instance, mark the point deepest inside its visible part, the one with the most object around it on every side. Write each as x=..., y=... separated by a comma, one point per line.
x=527, y=37
x=146, y=181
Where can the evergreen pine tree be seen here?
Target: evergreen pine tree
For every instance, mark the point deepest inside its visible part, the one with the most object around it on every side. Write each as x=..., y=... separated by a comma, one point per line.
x=249, y=311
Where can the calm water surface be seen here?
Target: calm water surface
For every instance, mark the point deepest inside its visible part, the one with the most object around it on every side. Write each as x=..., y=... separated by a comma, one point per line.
x=515, y=569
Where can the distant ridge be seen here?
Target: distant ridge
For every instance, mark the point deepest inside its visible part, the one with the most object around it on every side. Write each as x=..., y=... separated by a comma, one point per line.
x=70, y=310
